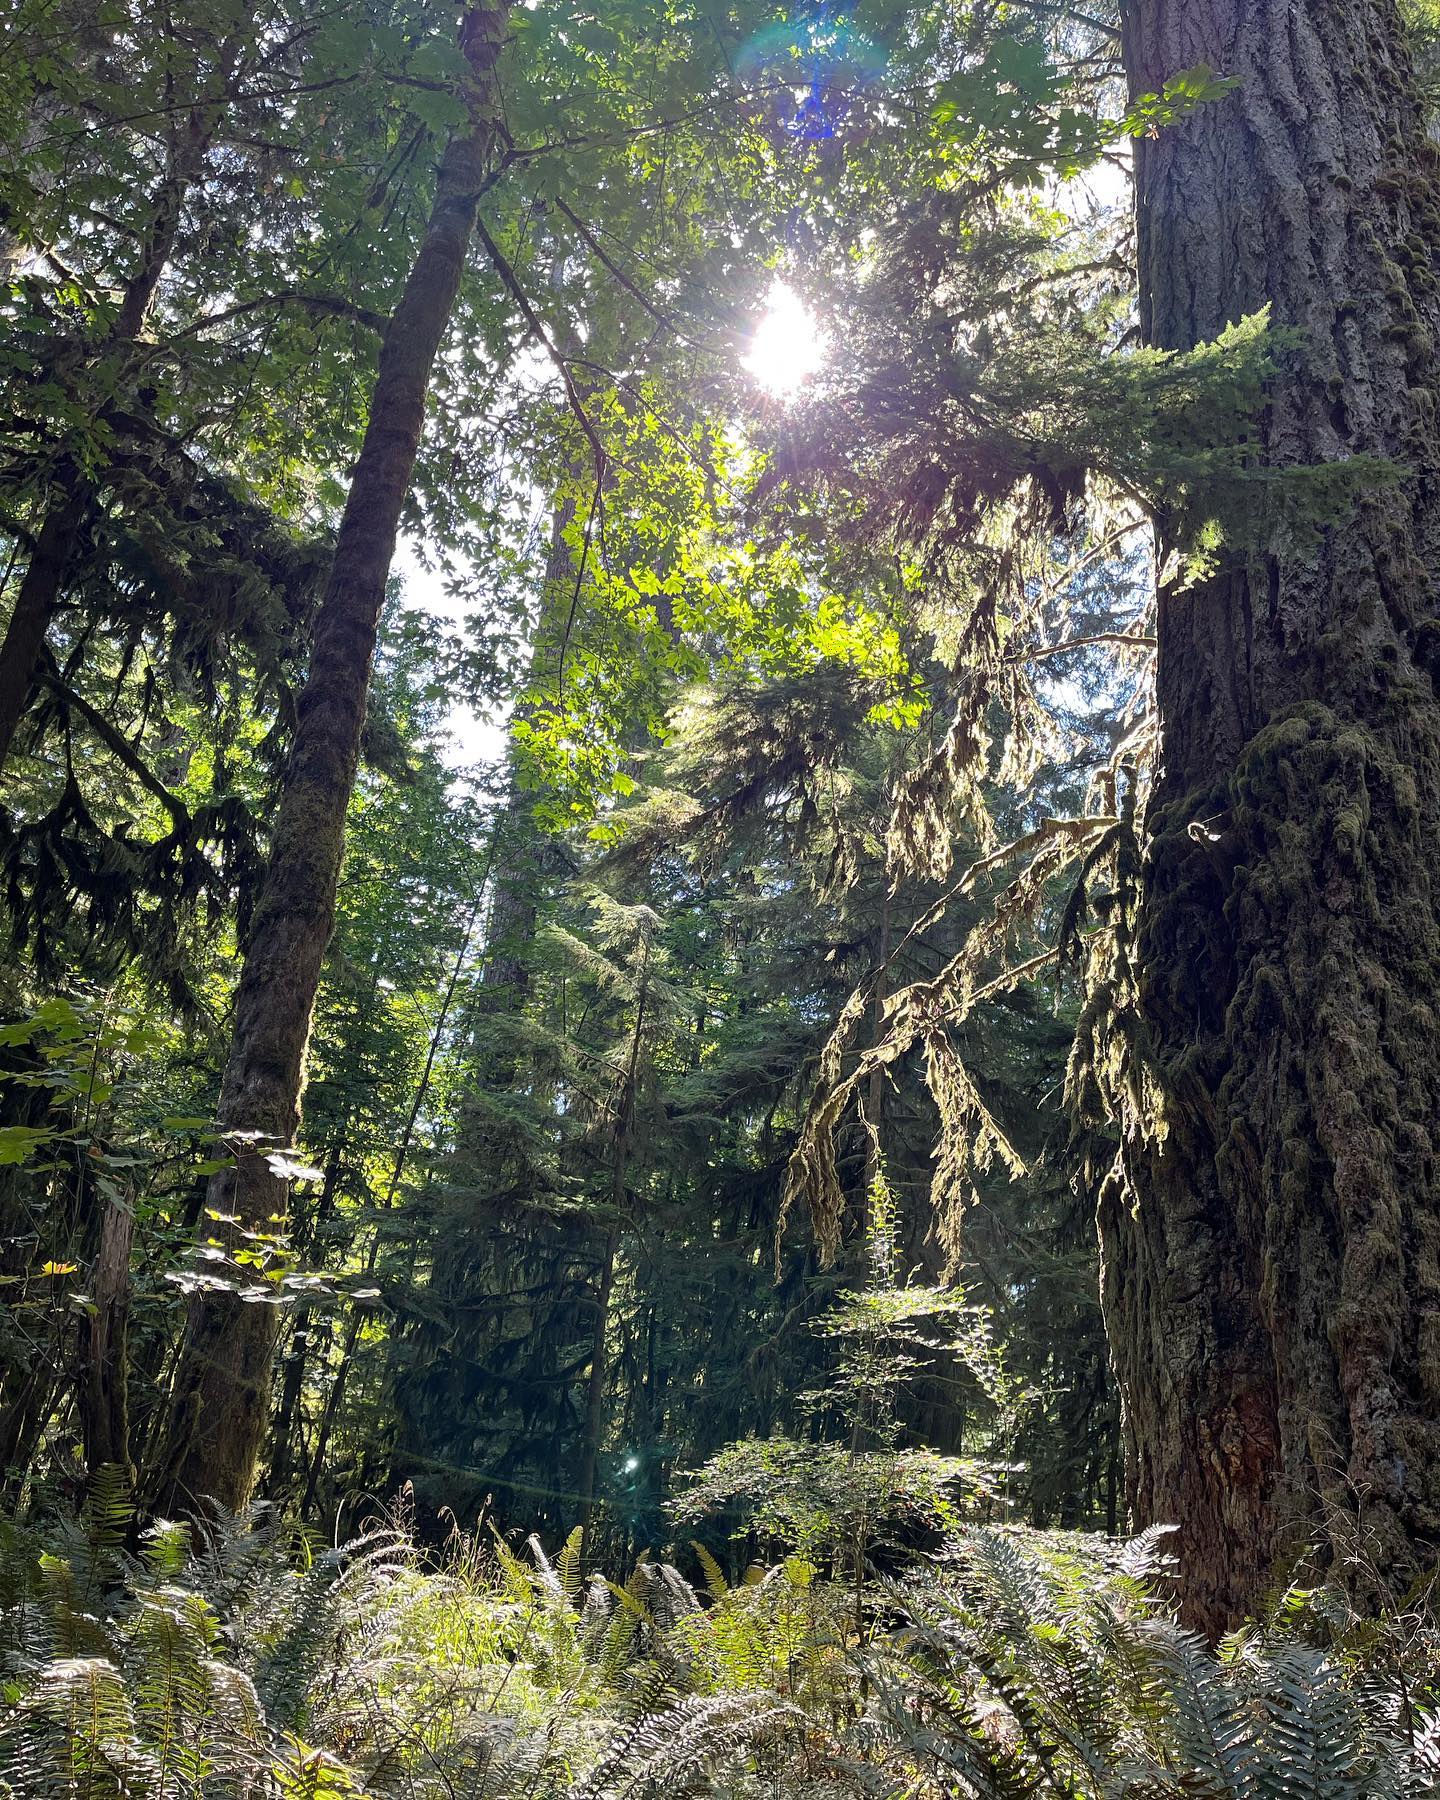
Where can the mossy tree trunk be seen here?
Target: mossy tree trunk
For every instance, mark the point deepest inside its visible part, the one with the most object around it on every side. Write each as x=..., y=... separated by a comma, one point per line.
x=222, y=1388
x=1272, y=1256
x=103, y=1397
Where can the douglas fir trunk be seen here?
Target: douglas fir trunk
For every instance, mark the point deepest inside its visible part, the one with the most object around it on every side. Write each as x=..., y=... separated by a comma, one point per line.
x=222, y=1387
x=1273, y=1273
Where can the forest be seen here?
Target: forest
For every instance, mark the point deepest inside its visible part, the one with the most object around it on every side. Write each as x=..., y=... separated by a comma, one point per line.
x=720, y=899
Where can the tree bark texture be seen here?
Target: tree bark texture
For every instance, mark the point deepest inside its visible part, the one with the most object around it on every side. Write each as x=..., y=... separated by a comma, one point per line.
x=1272, y=1245
x=104, y=1401
x=222, y=1387
x=40, y=590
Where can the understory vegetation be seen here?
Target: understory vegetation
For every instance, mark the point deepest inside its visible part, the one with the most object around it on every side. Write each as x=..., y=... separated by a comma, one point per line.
x=247, y=1659
x=719, y=938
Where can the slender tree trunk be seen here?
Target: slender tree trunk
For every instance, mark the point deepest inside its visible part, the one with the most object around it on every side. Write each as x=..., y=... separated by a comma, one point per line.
x=875, y=1091
x=619, y=1190
x=595, y=1391
x=287, y=1413
x=1272, y=1253
x=222, y=1384
x=517, y=878
x=104, y=1400
x=23, y=1421
x=72, y=492
x=331, y=1408
x=519, y=840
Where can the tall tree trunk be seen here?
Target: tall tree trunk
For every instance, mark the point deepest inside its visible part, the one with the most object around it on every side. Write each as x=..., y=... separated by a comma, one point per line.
x=330, y=1410
x=222, y=1385
x=72, y=493
x=595, y=1393
x=1272, y=1253
x=519, y=840
x=619, y=1191
x=40, y=590
x=104, y=1401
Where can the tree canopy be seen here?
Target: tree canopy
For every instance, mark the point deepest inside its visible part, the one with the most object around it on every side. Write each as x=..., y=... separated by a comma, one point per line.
x=719, y=774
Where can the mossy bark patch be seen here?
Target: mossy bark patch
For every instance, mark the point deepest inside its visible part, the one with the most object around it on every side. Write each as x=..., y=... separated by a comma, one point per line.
x=1272, y=1280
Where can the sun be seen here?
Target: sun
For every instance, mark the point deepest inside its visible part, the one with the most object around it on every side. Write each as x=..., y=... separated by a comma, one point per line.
x=787, y=345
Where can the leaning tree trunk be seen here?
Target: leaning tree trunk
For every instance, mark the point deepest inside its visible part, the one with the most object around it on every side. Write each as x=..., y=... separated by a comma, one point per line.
x=222, y=1385
x=1273, y=1272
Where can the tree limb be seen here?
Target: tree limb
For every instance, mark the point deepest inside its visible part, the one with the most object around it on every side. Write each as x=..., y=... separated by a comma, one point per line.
x=537, y=330
x=118, y=746
x=332, y=304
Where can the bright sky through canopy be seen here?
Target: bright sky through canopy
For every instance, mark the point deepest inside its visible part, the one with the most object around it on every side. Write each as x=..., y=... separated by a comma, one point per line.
x=787, y=346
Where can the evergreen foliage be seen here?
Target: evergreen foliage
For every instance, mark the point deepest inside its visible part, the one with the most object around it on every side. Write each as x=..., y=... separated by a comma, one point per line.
x=1011, y=1664
x=760, y=981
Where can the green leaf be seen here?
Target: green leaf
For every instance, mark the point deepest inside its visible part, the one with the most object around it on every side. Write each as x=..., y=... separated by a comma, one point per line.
x=18, y=1143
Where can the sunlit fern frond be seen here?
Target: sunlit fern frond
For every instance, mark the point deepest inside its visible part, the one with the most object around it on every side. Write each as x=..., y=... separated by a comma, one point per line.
x=74, y=1733
x=295, y=1625
x=1315, y=1732
x=925, y=1716
x=74, y=1619
x=685, y=1749
x=568, y=1565
x=198, y=1717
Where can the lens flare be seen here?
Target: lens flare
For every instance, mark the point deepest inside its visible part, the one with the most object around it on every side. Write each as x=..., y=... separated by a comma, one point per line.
x=787, y=345
x=817, y=74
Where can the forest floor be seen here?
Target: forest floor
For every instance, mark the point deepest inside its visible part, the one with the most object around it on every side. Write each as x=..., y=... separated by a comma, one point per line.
x=1013, y=1663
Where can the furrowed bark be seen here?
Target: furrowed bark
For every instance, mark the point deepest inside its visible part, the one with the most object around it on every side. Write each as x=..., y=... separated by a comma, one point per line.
x=104, y=1401
x=222, y=1386
x=1272, y=1252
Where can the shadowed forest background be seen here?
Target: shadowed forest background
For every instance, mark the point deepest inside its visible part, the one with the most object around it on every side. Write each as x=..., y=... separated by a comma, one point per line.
x=719, y=811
